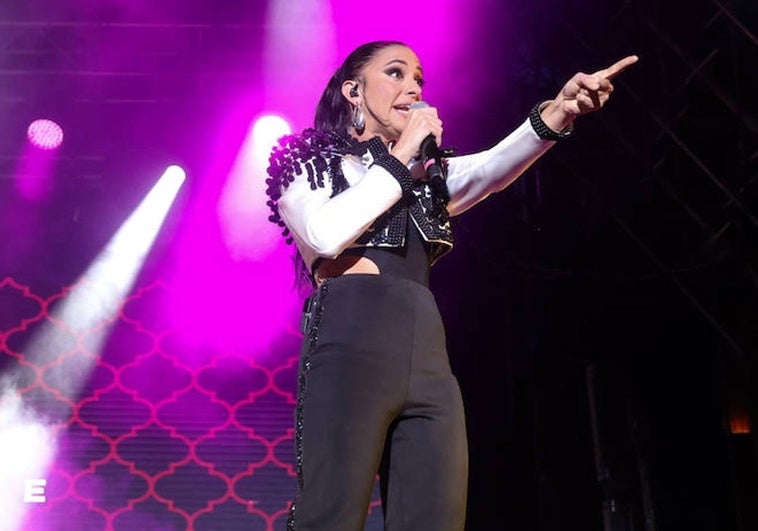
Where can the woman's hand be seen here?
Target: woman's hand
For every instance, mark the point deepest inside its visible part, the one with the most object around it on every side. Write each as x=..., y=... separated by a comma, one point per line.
x=582, y=94
x=421, y=123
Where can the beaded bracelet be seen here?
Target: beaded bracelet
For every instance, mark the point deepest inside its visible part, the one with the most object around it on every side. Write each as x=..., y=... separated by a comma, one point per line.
x=542, y=129
x=398, y=170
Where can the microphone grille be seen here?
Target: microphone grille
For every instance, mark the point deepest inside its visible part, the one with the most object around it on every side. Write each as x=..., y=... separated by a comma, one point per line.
x=419, y=105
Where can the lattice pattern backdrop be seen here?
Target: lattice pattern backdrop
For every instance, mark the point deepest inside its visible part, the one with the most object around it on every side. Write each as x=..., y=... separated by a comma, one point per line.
x=159, y=438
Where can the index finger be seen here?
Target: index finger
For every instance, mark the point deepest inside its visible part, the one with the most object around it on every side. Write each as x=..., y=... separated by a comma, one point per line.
x=618, y=67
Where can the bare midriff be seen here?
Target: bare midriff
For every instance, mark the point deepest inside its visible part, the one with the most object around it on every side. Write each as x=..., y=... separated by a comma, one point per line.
x=344, y=265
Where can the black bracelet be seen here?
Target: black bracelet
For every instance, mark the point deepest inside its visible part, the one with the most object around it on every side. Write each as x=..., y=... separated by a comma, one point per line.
x=398, y=170
x=542, y=129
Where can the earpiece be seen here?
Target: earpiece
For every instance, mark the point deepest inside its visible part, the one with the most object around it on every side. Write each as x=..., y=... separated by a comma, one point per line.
x=354, y=91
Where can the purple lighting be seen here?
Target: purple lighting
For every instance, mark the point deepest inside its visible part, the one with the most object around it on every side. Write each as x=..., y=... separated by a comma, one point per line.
x=45, y=134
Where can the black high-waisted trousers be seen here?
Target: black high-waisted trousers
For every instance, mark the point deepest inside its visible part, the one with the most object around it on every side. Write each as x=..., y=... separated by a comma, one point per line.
x=376, y=394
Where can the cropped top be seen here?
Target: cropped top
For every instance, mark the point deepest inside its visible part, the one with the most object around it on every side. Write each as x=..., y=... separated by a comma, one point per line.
x=411, y=262
x=330, y=192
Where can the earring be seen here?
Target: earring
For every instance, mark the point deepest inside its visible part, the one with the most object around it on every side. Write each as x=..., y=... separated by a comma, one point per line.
x=359, y=119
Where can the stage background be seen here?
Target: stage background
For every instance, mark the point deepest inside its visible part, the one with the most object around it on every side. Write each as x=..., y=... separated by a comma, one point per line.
x=601, y=312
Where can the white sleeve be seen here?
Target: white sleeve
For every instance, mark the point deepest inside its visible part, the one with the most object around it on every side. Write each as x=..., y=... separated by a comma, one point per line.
x=471, y=178
x=324, y=226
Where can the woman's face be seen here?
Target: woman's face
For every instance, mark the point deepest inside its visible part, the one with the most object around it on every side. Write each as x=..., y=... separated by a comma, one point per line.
x=389, y=83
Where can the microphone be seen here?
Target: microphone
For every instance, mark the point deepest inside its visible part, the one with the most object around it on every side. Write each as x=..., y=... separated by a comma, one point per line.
x=431, y=155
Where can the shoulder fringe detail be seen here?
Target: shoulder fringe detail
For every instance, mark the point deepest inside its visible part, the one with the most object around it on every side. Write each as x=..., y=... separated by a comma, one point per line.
x=319, y=153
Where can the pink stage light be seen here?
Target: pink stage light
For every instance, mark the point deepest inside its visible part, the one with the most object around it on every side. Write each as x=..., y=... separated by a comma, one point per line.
x=242, y=208
x=45, y=134
x=233, y=282
x=268, y=129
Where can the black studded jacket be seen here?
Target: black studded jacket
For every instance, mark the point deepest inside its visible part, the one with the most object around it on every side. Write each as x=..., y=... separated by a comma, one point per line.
x=329, y=192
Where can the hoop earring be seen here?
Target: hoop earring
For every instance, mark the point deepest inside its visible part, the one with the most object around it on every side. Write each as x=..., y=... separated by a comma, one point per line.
x=359, y=119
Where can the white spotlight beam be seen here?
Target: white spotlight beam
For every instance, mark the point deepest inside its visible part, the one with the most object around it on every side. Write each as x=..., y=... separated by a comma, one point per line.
x=27, y=444
x=242, y=207
x=97, y=296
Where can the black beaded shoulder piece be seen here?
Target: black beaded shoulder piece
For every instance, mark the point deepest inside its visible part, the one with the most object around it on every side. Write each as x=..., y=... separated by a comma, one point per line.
x=319, y=153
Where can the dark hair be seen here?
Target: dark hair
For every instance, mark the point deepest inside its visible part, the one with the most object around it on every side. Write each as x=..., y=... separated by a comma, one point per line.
x=333, y=112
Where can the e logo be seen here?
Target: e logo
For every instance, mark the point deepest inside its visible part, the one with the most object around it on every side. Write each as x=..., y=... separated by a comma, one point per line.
x=34, y=491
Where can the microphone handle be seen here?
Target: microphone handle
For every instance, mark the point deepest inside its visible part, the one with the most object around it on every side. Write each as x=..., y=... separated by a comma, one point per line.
x=431, y=157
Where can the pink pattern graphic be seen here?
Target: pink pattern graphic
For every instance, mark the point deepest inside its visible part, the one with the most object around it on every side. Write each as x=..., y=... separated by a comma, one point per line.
x=157, y=438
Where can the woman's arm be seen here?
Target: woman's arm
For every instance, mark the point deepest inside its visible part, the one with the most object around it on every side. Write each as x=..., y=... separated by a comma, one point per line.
x=471, y=178
x=325, y=224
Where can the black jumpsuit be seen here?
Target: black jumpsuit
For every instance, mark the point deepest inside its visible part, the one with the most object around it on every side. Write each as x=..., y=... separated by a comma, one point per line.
x=376, y=394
